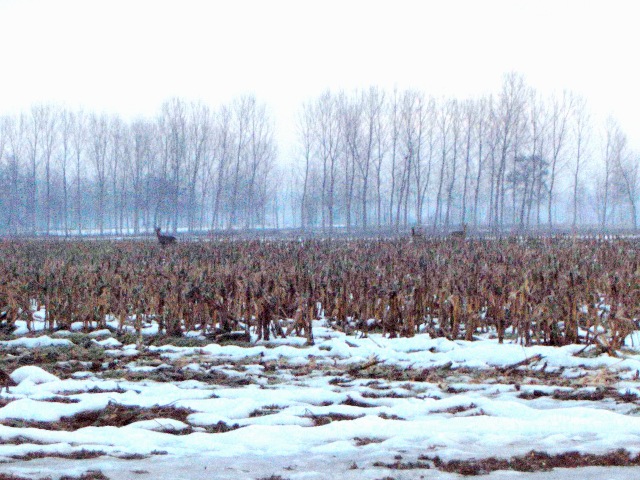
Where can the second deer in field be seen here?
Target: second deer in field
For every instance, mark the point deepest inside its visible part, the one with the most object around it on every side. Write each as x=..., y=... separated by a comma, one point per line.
x=164, y=239
x=462, y=234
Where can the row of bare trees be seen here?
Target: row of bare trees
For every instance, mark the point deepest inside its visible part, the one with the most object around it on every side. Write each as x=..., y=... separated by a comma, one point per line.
x=75, y=172
x=365, y=159
x=512, y=159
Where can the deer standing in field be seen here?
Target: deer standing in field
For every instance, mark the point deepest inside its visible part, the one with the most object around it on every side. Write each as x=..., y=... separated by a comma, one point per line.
x=6, y=379
x=164, y=239
x=461, y=234
x=417, y=233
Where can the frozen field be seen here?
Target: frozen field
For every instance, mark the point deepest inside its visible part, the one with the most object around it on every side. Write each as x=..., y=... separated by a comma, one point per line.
x=347, y=407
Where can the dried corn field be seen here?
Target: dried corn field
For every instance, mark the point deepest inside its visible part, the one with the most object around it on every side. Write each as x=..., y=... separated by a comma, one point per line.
x=551, y=291
x=296, y=360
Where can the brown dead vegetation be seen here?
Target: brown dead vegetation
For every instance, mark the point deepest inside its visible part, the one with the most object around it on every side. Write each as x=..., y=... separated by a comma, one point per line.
x=319, y=420
x=535, y=461
x=77, y=455
x=591, y=395
x=362, y=441
x=552, y=292
x=114, y=415
x=88, y=475
x=221, y=427
x=400, y=465
x=357, y=403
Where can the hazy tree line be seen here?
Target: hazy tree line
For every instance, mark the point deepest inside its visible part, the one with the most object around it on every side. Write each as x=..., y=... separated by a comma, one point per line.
x=191, y=167
x=364, y=159
x=514, y=160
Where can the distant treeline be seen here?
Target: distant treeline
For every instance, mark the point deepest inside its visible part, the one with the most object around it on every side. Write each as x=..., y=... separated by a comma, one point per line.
x=363, y=159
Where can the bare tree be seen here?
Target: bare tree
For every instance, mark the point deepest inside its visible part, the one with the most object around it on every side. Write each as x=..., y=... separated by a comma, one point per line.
x=393, y=115
x=417, y=123
x=509, y=109
x=67, y=125
x=373, y=103
x=4, y=134
x=35, y=127
x=124, y=180
x=537, y=132
x=380, y=133
x=79, y=141
x=99, y=133
x=142, y=133
x=115, y=168
x=223, y=151
x=306, y=139
x=199, y=144
x=444, y=127
x=611, y=150
x=260, y=157
x=350, y=113
x=481, y=125
x=626, y=168
x=242, y=112
x=492, y=157
x=470, y=112
x=175, y=129
x=329, y=148
x=160, y=184
x=49, y=118
x=453, y=164
x=519, y=144
x=6, y=200
x=17, y=133
x=580, y=123
x=562, y=109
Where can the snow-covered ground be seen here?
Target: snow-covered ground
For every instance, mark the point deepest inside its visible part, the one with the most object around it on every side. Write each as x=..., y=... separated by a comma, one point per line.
x=347, y=407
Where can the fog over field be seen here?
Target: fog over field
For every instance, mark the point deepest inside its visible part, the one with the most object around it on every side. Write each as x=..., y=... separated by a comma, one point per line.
x=120, y=116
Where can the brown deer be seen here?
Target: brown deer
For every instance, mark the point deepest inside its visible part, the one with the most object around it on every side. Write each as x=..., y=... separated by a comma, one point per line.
x=6, y=379
x=417, y=232
x=164, y=239
x=461, y=234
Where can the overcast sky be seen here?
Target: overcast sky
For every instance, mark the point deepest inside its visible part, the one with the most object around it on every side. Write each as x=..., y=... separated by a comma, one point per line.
x=128, y=56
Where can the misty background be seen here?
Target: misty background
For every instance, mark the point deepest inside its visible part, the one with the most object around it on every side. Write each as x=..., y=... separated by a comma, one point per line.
x=119, y=116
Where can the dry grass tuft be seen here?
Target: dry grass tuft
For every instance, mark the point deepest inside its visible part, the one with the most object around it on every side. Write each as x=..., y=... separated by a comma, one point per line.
x=113, y=415
x=535, y=461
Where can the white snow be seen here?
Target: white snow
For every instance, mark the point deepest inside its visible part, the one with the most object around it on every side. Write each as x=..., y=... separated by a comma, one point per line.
x=32, y=373
x=37, y=342
x=159, y=425
x=108, y=342
x=287, y=404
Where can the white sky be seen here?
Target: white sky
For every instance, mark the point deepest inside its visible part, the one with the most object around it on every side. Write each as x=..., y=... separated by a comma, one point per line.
x=128, y=56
